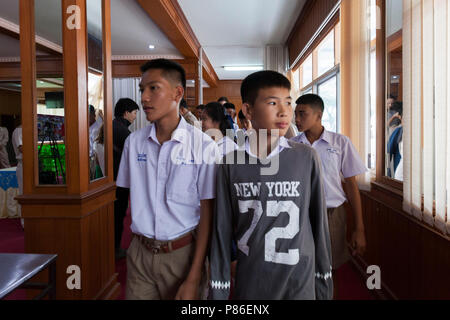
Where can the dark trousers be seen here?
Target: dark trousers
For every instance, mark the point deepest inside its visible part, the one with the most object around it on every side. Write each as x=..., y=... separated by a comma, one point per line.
x=120, y=211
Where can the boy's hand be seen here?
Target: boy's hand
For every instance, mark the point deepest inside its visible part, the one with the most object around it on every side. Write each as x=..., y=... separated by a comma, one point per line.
x=358, y=242
x=188, y=291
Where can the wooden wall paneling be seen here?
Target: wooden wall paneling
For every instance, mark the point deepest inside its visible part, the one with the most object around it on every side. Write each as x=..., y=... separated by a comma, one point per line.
x=413, y=258
x=225, y=88
x=46, y=67
x=131, y=68
x=28, y=76
x=10, y=102
x=76, y=222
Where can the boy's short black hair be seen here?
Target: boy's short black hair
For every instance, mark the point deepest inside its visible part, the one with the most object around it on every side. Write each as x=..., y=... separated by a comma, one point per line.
x=91, y=109
x=223, y=99
x=262, y=80
x=313, y=100
x=124, y=105
x=229, y=105
x=241, y=115
x=171, y=69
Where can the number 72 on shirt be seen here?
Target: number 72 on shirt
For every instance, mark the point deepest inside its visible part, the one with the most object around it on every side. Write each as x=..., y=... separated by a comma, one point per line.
x=273, y=209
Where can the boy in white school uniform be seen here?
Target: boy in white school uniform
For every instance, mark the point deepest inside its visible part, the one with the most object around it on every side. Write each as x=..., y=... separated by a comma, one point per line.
x=339, y=159
x=169, y=167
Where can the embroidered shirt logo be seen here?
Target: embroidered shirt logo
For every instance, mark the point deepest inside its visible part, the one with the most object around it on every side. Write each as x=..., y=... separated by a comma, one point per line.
x=142, y=157
x=332, y=150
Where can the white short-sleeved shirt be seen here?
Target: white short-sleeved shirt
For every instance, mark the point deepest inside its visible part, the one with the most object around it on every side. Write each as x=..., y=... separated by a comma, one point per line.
x=226, y=145
x=17, y=141
x=338, y=157
x=93, y=134
x=168, y=181
x=4, y=137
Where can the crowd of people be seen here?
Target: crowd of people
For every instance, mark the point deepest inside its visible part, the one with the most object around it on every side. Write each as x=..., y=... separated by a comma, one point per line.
x=199, y=217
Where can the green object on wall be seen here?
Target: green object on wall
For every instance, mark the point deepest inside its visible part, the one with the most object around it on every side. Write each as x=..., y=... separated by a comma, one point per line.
x=47, y=160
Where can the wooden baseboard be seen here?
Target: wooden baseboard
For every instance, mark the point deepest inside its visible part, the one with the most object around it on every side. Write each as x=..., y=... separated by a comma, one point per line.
x=382, y=294
x=111, y=291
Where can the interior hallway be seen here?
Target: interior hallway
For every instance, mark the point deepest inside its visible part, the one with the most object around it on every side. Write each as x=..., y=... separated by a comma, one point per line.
x=352, y=286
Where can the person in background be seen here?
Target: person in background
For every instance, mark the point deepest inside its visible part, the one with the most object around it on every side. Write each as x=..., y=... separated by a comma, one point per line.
x=94, y=127
x=99, y=151
x=4, y=138
x=187, y=115
x=245, y=124
x=216, y=124
x=18, y=150
x=222, y=100
x=230, y=110
x=339, y=158
x=125, y=113
x=198, y=111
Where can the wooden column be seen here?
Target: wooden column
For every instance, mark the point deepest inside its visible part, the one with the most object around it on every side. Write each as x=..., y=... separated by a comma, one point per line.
x=75, y=221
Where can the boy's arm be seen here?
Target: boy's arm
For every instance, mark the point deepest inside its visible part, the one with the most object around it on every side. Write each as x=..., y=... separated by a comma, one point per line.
x=358, y=236
x=189, y=289
x=221, y=239
x=319, y=225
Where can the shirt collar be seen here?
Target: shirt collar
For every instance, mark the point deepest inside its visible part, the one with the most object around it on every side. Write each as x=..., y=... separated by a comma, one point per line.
x=326, y=136
x=280, y=146
x=179, y=134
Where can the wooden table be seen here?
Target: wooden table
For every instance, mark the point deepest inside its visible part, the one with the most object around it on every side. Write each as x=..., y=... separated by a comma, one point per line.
x=17, y=269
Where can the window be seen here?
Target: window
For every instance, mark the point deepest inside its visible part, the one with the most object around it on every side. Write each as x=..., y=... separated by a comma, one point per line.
x=373, y=88
x=319, y=74
x=325, y=54
x=307, y=70
x=327, y=90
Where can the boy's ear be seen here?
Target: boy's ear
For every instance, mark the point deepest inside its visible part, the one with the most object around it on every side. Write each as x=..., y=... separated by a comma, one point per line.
x=247, y=111
x=320, y=115
x=179, y=93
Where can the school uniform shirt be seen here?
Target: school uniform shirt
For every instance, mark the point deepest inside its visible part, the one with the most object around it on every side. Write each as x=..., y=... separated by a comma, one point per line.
x=190, y=118
x=16, y=140
x=280, y=224
x=93, y=134
x=339, y=158
x=167, y=181
x=226, y=145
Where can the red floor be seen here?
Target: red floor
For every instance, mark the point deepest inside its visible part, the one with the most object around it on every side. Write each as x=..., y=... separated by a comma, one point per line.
x=351, y=285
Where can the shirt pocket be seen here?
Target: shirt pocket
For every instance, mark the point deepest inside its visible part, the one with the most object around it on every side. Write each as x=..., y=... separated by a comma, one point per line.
x=332, y=161
x=181, y=185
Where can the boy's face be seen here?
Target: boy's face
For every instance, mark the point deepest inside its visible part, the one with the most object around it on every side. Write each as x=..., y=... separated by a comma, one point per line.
x=198, y=113
x=207, y=122
x=159, y=96
x=130, y=116
x=272, y=110
x=231, y=112
x=307, y=117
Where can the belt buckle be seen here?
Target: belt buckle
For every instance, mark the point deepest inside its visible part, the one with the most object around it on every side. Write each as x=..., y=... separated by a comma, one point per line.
x=156, y=247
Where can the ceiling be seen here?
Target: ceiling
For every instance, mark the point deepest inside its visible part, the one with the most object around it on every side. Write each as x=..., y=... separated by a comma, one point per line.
x=132, y=31
x=232, y=32
x=235, y=32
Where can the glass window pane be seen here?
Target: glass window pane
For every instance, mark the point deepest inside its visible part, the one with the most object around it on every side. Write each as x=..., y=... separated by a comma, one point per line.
x=307, y=71
x=50, y=109
x=328, y=91
x=325, y=54
x=373, y=110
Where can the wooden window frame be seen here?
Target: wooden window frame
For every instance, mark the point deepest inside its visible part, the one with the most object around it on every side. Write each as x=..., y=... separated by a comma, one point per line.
x=381, y=179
